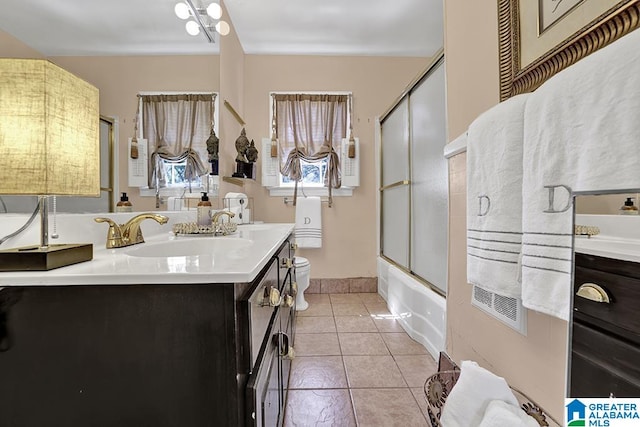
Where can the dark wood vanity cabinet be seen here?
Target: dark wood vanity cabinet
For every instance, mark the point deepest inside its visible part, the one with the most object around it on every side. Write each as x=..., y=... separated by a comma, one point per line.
x=605, y=336
x=127, y=355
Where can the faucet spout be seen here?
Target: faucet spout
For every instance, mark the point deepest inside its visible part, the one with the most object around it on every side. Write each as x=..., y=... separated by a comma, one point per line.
x=218, y=227
x=131, y=232
x=119, y=236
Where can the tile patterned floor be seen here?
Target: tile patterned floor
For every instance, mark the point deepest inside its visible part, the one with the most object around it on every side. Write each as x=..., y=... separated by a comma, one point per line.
x=355, y=366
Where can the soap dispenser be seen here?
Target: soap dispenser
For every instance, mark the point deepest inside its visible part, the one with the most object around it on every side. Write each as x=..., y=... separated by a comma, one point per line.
x=629, y=208
x=124, y=205
x=204, y=211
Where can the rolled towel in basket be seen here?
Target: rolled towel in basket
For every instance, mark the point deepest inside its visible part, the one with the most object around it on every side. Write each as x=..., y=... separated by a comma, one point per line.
x=470, y=396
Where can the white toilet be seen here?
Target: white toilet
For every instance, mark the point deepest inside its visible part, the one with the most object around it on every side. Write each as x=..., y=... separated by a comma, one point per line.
x=303, y=268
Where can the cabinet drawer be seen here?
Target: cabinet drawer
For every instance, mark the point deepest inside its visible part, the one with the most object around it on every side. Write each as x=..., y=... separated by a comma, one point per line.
x=602, y=364
x=621, y=315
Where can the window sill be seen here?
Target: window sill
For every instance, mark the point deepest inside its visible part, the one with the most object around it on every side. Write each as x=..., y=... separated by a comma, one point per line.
x=196, y=192
x=310, y=191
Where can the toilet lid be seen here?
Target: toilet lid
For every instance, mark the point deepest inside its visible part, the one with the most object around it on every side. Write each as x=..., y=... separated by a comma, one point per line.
x=301, y=262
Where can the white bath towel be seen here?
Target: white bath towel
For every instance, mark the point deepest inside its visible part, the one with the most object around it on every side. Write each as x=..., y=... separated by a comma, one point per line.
x=308, y=229
x=494, y=198
x=501, y=414
x=470, y=396
x=582, y=133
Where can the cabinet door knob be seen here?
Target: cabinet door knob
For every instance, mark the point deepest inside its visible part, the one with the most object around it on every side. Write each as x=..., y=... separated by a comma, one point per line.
x=294, y=246
x=593, y=292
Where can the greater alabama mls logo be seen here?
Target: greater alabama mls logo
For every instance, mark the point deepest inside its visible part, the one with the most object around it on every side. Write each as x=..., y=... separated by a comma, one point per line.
x=610, y=412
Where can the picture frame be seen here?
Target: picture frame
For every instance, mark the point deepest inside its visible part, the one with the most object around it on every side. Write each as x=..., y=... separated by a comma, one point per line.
x=551, y=11
x=527, y=58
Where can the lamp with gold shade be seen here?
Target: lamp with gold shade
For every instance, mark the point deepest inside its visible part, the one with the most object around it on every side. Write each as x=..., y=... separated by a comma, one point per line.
x=49, y=145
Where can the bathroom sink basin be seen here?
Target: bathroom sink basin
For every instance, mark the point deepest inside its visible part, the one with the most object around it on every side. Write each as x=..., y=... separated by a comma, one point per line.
x=190, y=247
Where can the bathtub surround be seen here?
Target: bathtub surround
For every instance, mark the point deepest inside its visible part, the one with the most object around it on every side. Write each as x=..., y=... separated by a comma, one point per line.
x=419, y=310
x=571, y=121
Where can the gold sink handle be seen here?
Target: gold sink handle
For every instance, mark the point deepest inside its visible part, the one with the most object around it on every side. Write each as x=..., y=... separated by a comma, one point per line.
x=593, y=292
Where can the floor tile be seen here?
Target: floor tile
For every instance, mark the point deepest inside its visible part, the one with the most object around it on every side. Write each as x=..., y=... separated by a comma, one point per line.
x=345, y=299
x=313, y=372
x=335, y=286
x=416, y=368
x=319, y=408
x=355, y=324
x=386, y=407
x=373, y=372
x=418, y=394
x=317, y=345
x=364, y=343
x=387, y=325
x=371, y=298
x=321, y=309
x=379, y=309
x=314, y=325
x=317, y=298
x=350, y=309
x=401, y=343
x=364, y=284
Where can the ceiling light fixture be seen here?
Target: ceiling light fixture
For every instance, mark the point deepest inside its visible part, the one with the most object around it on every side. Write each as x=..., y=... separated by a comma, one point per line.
x=203, y=19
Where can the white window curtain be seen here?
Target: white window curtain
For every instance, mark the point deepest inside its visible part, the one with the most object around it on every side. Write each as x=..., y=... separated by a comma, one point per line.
x=308, y=127
x=177, y=128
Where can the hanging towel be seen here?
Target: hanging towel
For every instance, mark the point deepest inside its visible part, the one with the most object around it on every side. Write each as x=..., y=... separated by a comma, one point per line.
x=494, y=198
x=308, y=229
x=582, y=132
x=470, y=396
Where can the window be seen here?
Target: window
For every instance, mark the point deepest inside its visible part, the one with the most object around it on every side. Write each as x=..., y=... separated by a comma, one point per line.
x=311, y=129
x=313, y=174
x=177, y=126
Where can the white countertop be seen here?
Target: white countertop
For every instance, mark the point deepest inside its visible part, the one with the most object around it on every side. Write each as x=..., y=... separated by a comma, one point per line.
x=619, y=237
x=115, y=267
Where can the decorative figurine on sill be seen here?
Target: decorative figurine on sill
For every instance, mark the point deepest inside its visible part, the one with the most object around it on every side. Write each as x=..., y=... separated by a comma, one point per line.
x=242, y=144
x=252, y=156
x=213, y=143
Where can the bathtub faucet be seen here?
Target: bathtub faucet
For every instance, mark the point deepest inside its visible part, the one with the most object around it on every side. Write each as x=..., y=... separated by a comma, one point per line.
x=120, y=236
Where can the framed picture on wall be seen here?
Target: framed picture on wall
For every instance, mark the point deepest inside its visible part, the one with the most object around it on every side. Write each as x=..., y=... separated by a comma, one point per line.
x=539, y=38
x=550, y=11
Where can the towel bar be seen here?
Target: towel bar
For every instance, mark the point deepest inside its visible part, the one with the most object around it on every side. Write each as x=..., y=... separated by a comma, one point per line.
x=287, y=200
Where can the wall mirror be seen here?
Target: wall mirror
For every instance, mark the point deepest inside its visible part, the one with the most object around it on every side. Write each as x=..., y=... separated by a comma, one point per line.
x=108, y=170
x=604, y=343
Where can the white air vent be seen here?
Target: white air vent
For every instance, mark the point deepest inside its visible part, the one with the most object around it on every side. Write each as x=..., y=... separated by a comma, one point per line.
x=506, y=309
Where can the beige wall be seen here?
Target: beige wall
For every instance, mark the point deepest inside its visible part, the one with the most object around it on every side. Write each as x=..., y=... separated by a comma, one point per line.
x=349, y=227
x=536, y=363
x=120, y=78
x=11, y=47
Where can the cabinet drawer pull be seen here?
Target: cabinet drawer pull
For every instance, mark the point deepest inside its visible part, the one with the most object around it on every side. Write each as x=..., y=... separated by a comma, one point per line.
x=287, y=263
x=593, y=292
x=294, y=246
x=287, y=300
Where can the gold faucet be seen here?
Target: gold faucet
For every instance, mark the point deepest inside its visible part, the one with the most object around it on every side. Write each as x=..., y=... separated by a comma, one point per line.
x=119, y=236
x=218, y=226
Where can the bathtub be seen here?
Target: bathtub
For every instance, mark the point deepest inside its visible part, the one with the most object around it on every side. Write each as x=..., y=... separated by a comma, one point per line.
x=420, y=311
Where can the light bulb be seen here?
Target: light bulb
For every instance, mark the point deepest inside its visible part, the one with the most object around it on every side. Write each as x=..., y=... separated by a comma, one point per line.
x=214, y=10
x=182, y=10
x=193, y=28
x=223, y=28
